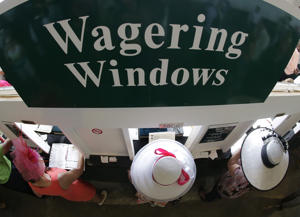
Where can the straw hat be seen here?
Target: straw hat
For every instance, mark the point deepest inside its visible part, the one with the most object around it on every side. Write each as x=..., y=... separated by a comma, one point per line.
x=163, y=170
x=264, y=158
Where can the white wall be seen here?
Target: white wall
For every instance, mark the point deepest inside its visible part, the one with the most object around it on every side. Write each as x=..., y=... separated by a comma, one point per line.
x=77, y=124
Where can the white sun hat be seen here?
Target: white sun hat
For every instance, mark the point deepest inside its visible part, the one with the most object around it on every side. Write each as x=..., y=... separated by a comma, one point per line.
x=163, y=170
x=264, y=158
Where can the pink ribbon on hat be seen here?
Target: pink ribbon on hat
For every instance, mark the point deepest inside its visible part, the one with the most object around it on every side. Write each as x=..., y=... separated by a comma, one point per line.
x=184, y=177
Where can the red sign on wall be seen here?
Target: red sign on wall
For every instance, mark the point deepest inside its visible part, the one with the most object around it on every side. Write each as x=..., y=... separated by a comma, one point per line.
x=97, y=131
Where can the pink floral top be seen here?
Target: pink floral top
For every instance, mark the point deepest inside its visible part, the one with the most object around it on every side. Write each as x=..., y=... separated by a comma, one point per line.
x=233, y=186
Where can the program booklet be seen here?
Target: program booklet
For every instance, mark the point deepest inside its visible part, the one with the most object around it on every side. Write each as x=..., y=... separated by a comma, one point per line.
x=64, y=156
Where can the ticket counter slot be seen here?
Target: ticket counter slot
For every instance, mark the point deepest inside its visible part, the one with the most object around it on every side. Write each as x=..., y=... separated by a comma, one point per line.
x=137, y=138
x=205, y=141
x=30, y=131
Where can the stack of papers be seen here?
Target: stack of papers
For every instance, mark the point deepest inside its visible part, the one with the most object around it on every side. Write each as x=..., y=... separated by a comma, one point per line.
x=64, y=156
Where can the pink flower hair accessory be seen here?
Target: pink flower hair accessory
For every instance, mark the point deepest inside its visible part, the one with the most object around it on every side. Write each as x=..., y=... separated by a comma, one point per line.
x=28, y=161
x=4, y=83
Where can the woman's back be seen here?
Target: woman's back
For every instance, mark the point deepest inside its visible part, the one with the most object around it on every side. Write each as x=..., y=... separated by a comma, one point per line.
x=77, y=191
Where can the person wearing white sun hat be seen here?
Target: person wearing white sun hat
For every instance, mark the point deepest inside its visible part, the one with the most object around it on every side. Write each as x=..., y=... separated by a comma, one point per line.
x=264, y=158
x=164, y=170
x=261, y=163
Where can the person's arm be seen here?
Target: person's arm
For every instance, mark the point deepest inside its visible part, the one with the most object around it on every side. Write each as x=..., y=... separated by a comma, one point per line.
x=37, y=194
x=6, y=146
x=67, y=178
x=291, y=67
x=233, y=164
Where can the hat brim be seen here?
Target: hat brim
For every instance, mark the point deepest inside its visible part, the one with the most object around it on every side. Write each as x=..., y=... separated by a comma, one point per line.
x=142, y=165
x=258, y=175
